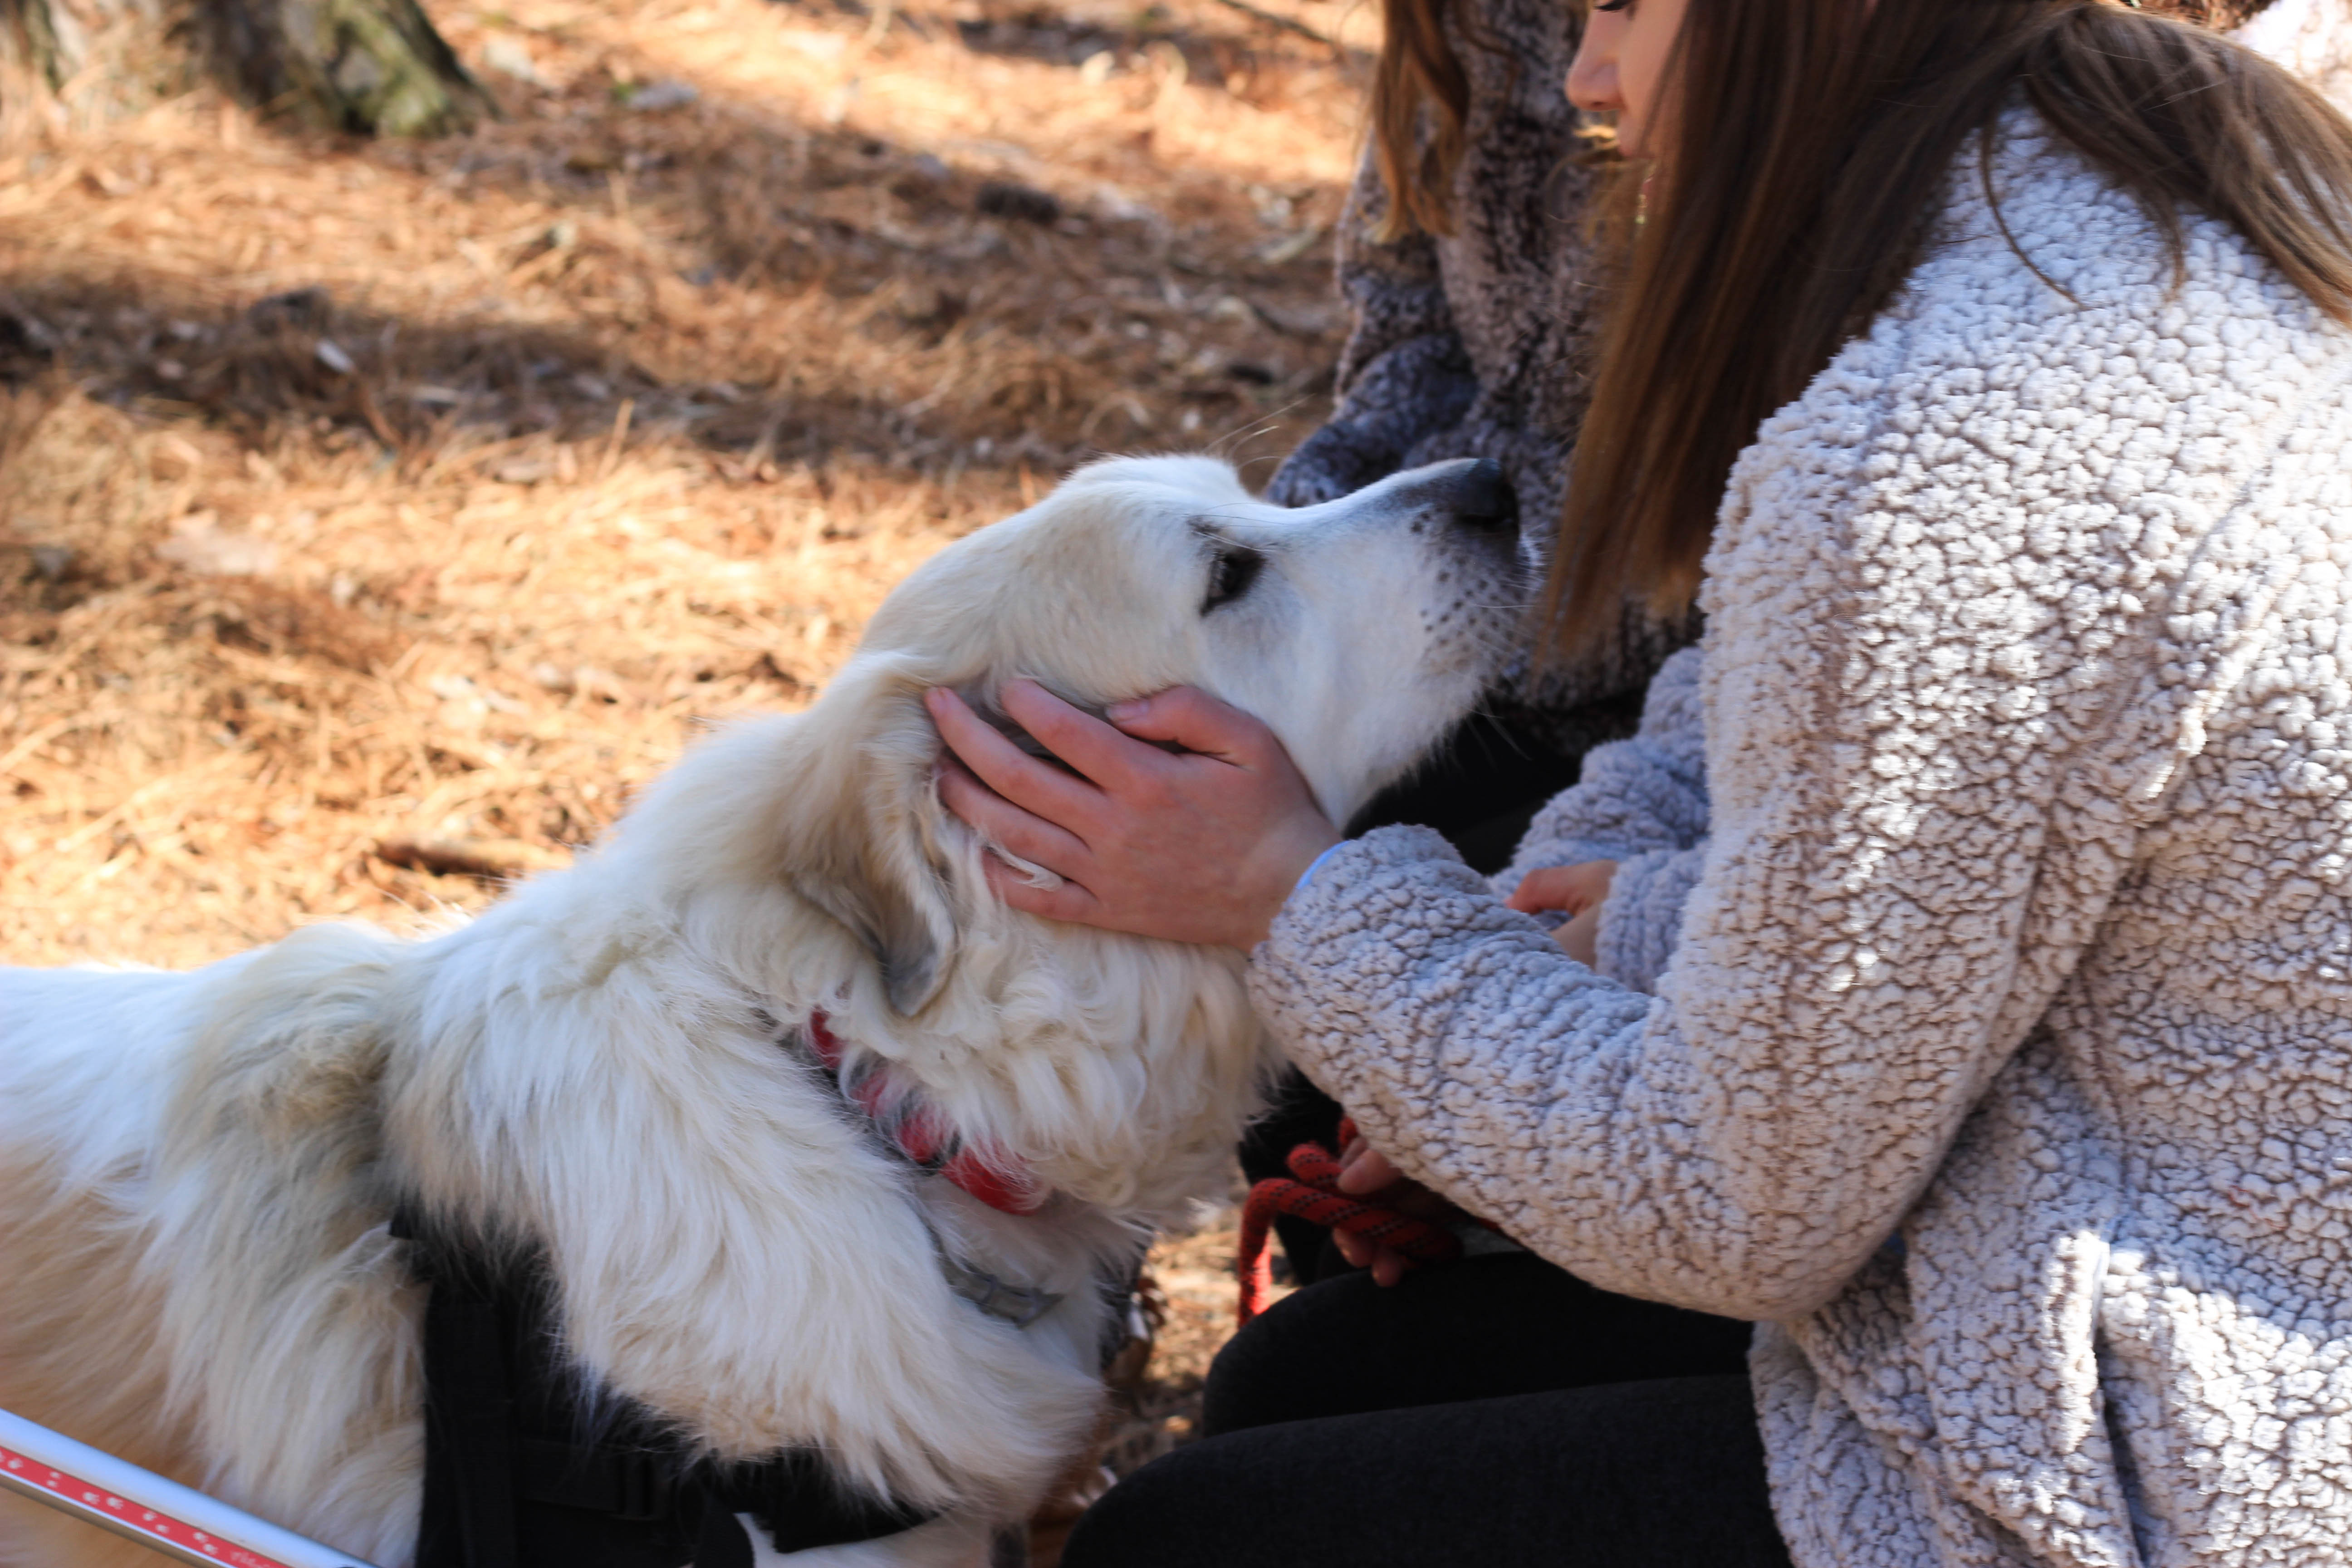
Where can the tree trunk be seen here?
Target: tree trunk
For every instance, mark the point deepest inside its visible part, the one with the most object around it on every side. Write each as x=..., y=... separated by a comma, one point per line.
x=47, y=45
x=48, y=56
x=368, y=66
x=373, y=67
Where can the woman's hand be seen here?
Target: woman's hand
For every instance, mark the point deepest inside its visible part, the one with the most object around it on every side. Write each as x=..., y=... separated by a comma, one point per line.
x=1200, y=846
x=1579, y=889
x=1365, y=1171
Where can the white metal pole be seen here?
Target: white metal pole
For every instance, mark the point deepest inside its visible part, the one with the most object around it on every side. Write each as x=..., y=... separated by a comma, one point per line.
x=179, y=1521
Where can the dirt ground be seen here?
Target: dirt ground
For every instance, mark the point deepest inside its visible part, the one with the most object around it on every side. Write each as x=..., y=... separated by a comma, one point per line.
x=375, y=518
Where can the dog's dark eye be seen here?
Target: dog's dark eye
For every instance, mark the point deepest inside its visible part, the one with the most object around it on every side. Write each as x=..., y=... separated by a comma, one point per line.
x=1231, y=574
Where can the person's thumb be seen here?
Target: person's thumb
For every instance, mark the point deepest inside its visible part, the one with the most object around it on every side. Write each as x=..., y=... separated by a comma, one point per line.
x=1369, y=1173
x=1187, y=717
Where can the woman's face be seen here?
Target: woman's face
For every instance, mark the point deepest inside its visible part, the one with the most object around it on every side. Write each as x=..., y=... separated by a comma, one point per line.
x=1622, y=66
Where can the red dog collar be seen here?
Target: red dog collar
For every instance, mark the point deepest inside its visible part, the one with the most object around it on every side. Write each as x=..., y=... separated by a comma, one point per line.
x=924, y=1136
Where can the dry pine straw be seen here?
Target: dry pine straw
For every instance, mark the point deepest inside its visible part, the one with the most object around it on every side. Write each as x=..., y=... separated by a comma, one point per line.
x=357, y=495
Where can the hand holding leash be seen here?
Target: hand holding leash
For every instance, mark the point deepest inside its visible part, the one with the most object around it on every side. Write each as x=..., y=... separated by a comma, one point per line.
x=1201, y=846
x=1388, y=1229
x=1366, y=1173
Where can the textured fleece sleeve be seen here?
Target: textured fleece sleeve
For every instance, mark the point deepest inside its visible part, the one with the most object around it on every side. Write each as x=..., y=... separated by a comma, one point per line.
x=1643, y=917
x=1643, y=793
x=1890, y=715
x=1403, y=374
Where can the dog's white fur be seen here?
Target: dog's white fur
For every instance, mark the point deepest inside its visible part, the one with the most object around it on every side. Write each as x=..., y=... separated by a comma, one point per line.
x=198, y=1169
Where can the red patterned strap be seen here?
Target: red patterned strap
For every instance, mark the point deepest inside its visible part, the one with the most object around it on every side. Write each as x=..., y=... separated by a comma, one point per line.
x=162, y=1528
x=924, y=1136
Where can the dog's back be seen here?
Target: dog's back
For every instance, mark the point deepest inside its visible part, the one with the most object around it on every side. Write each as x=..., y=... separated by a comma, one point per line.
x=84, y=1064
x=192, y=1240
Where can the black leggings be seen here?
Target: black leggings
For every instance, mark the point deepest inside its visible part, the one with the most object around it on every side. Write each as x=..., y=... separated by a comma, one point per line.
x=1494, y=1411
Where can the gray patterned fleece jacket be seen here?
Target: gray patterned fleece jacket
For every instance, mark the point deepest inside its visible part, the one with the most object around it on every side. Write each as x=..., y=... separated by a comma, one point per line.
x=2003, y=1063
x=1472, y=344
x=1477, y=344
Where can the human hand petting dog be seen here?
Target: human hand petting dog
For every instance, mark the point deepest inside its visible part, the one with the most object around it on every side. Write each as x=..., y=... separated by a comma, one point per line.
x=1199, y=846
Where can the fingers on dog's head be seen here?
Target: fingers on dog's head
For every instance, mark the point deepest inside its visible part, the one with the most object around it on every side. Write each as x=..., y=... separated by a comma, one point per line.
x=1025, y=768
x=1189, y=717
x=1097, y=750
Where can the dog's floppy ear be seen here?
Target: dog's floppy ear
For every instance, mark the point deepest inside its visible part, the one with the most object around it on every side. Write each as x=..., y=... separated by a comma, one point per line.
x=874, y=855
x=909, y=935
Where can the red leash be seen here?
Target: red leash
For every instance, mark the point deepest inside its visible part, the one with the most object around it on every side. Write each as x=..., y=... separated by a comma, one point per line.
x=1315, y=1195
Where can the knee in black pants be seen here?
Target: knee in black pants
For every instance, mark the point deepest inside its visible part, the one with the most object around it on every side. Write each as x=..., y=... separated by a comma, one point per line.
x=1481, y=1328
x=1664, y=1474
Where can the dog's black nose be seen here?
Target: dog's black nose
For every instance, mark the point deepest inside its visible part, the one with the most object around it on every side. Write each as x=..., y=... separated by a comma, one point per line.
x=1479, y=496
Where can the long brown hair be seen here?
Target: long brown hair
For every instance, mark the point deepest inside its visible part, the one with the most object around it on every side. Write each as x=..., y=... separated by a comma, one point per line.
x=1810, y=139
x=1418, y=73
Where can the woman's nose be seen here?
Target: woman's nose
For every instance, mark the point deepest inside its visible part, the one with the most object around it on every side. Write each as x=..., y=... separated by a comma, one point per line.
x=1592, y=76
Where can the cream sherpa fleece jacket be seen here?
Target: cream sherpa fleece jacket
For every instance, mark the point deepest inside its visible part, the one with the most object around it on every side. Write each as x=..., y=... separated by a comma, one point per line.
x=2004, y=1065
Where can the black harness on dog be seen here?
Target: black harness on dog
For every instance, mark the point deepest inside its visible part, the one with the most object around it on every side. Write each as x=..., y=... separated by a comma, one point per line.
x=525, y=1468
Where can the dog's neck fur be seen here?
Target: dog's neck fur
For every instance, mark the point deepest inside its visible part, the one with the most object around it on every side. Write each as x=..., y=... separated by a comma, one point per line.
x=1116, y=1071
x=1117, y=1068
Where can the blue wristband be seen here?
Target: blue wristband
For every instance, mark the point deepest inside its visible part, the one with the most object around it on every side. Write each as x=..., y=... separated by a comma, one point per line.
x=1314, y=866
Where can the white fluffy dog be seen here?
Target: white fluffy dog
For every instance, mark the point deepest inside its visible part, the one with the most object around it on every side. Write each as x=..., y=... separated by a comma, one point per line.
x=616, y=1073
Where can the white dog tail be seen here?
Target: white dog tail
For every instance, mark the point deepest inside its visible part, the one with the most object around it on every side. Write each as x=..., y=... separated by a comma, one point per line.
x=179, y=1521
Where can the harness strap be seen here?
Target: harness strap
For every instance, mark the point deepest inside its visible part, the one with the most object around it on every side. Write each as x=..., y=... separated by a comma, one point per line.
x=793, y=1495
x=499, y=1495
x=468, y=1415
x=637, y=1485
x=805, y=1505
